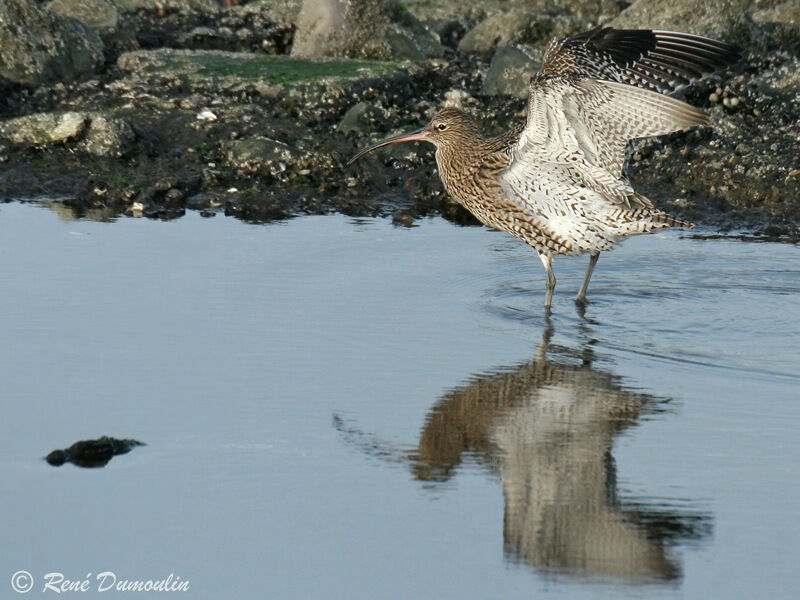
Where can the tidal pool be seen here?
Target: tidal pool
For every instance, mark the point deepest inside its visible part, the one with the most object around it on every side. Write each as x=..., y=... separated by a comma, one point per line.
x=338, y=408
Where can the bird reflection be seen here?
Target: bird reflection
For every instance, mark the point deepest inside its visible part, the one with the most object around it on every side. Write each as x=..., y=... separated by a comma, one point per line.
x=546, y=427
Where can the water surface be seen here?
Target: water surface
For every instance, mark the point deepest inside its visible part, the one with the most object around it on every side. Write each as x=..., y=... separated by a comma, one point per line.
x=338, y=408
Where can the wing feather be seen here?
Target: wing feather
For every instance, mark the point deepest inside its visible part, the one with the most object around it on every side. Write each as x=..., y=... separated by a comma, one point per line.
x=575, y=139
x=663, y=61
x=596, y=92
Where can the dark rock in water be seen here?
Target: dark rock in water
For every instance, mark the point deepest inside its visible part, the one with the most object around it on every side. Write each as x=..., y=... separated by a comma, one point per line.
x=92, y=453
x=204, y=201
x=37, y=45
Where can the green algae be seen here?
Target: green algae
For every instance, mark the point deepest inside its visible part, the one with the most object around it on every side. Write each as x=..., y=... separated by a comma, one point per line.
x=285, y=70
x=269, y=69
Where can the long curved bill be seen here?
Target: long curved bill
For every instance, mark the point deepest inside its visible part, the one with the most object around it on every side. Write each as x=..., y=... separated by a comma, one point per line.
x=419, y=134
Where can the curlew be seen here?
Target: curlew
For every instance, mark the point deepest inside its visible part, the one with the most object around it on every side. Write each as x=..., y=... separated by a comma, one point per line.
x=557, y=183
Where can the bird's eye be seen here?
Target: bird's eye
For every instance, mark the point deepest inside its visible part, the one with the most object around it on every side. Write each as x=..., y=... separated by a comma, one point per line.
x=441, y=126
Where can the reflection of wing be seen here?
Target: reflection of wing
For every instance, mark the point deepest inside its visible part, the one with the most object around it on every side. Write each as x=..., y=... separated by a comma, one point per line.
x=593, y=409
x=547, y=428
x=657, y=60
x=567, y=164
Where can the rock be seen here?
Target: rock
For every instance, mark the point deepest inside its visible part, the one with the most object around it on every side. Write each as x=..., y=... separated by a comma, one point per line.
x=509, y=73
x=200, y=5
x=43, y=128
x=379, y=29
x=108, y=136
x=316, y=23
x=92, y=453
x=261, y=154
x=402, y=218
x=731, y=20
x=742, y=164
x=278, y=11
x=37, y=45
x=165, y=184
x=457, y=98
x=450, y=31
x=505, y=29
x=174, y=196
x=100, y=15
x=784, y=20
x=535, y=22
x=202, y=71
x=102, y=136
x=204, y=201
x=362, y=117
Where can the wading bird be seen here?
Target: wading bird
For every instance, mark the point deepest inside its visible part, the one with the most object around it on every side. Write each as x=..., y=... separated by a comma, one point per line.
x=557, y=182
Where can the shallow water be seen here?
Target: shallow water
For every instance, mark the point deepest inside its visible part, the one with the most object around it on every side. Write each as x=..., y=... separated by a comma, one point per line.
x=338, y=408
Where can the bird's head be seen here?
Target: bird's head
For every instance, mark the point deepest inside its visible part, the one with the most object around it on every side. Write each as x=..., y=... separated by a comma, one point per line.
x=449, y=127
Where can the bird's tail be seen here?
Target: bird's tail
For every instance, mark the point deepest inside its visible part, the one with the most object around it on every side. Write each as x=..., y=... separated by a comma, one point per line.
x=643, y=212
x=668, y=220
x=645, y=220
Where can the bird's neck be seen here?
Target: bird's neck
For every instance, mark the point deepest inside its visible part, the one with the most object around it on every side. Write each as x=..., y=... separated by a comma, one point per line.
x=468, y=169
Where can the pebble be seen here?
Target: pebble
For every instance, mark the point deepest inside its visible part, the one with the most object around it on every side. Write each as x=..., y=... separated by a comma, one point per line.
x=165, y=184
x=456, y=98
x=174, y=195
x=206, y=115
x=403, y=219
x=731, y=102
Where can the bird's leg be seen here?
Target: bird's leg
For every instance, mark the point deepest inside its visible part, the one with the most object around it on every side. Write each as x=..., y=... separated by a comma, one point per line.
x=551, y=278
x=581, y=297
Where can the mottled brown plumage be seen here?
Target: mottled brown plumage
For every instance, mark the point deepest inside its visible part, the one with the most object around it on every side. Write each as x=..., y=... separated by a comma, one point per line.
x=557, y=183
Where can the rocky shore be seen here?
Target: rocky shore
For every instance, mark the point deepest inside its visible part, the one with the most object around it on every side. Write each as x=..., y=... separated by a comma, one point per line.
x=152, y=107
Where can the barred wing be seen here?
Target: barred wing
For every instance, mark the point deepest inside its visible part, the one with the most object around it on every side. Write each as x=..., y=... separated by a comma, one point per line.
x=662, y=61
x=576, y=134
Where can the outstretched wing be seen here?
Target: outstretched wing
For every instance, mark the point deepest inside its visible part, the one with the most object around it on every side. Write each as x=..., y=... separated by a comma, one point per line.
x=576, y=134
x=663, y=61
